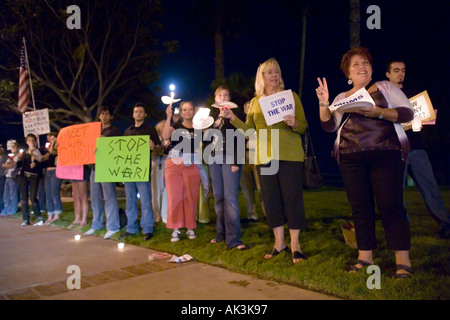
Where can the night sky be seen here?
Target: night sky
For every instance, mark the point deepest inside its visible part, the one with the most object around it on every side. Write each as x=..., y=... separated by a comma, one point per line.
x=416, y=31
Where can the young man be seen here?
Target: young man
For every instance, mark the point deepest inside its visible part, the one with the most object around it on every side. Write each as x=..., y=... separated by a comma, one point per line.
x=418, y=164
x=108, y=189
x=139, y=128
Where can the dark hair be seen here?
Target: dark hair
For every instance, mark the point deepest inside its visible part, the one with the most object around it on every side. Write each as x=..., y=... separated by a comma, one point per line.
x=361, y=51
x=106, y=108
x=30, y=135
x=140, y=104
x=52, y=134
x=388, y=65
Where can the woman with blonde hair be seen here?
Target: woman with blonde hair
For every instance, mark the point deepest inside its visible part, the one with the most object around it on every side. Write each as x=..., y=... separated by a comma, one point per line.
x=281, y=188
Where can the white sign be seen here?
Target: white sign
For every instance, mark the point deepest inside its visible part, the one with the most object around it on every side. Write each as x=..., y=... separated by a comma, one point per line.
x=276, y=106
x=423, y=110
x=36, y=122
x=360, y=99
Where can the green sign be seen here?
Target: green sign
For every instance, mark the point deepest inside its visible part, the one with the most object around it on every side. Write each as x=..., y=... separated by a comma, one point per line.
x=122, y=159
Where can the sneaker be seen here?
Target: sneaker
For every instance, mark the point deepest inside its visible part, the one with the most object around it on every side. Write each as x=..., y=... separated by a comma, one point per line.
x=108, y=234
x=148, y=236
x=38, y=224
x=25, y=223
x=175, y=236
x=191, y=234
x=90, y=232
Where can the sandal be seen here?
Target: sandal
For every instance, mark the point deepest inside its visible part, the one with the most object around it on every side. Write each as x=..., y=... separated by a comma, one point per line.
x=407, y=275
x=274, y=252
x=215, y=241
x=297, y=255
x=355, y=268
x=241, y=247
x=73, y=224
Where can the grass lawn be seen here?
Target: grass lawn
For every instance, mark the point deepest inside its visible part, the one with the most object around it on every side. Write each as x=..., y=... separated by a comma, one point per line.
x=328, y=255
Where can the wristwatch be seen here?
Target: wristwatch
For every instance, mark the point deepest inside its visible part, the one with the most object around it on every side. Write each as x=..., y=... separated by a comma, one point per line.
x=381, y=116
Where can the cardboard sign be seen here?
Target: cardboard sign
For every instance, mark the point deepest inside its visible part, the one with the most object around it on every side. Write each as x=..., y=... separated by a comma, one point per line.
x=123, y=159
x=36, y=122
x=276, y=106
x=76, y=144
x=360, y=99
x=69, y=172
x=423, y=109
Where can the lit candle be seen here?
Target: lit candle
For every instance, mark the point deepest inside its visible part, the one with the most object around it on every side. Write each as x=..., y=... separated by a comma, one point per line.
x=172, y=89
x=11, y=155
x=120, y=245
x=77, y=237
x=416, y=124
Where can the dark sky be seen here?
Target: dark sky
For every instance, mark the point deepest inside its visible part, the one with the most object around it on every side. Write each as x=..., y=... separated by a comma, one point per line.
x=417, y=31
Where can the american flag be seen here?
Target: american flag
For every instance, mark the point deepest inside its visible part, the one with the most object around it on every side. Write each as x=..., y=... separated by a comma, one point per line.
x=24, y=83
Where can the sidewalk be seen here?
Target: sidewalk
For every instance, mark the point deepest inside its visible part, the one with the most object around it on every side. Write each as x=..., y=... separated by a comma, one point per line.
x=34, y=262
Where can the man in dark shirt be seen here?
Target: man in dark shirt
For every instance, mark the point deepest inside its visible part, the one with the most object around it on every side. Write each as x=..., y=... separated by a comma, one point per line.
x=139, y=128
x=108, y=189
x=418, y=164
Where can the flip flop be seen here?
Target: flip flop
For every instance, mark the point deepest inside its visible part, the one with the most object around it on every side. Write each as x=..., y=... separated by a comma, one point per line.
x=274, y=252
x=73, y=224
x=241, y=247
x=297, y=255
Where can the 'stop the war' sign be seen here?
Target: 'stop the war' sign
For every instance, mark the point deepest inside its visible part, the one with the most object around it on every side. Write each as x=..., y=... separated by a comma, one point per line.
x=123, y=159
x=276, y=106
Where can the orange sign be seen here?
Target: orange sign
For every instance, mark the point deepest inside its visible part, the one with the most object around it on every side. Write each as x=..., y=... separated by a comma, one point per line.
x=77, y=143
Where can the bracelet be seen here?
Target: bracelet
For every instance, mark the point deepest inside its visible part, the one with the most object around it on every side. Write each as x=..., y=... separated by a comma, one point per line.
x=324, y=105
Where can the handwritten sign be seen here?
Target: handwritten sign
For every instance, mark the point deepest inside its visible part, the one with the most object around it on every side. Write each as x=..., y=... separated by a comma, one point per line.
x=276, y=106
x=76, y=144
x=423, y=109
x=36, y=122
x=360, y=99
x=69, y=172
x=123, y=159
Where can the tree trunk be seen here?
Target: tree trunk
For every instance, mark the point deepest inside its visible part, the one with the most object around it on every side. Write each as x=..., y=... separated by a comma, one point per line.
x=302, y=58
x=355, y=23
x=219, y=60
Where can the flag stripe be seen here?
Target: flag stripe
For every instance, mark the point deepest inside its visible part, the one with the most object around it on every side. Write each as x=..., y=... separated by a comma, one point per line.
x=24, y=83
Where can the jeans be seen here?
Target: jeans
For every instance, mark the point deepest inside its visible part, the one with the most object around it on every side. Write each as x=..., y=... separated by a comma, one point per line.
x=107, y=191
x=2, y=191
x=52, y=193
x=42, y=197
x=225, y=186
x=419, y=166
x=30, y=184
x=10, y=197
x=145, y=192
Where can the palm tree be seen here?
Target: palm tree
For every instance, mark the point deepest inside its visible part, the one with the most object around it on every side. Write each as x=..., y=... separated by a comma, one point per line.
x=355, y=23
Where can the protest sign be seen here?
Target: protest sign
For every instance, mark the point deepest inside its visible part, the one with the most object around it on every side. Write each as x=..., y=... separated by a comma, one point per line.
x=423, y=109
x=69, y=172
x=360, y=99
x=36, y=122
x=276, y=106
x=123, y=159
x=76, y=144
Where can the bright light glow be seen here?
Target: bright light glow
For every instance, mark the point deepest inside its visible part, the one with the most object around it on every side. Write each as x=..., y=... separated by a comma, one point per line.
x=77, y=237
x=172, y=87
x=120, y=245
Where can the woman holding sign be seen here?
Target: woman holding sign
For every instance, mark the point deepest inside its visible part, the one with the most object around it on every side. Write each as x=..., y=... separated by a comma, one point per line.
x=371, y=148
x=280, y=156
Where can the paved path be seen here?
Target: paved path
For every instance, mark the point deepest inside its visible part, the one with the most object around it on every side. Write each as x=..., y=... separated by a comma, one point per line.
x=34, y=263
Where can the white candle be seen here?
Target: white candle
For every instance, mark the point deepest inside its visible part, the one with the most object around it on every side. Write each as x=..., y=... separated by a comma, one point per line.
x=77, y=237
x=416, y=124
x=120, y=245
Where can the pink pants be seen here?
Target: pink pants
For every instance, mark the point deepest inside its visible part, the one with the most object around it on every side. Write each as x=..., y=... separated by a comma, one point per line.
x=182, y=185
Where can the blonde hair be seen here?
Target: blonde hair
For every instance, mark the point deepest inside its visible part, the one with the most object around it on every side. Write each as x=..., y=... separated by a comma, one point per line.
x=259, y=82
